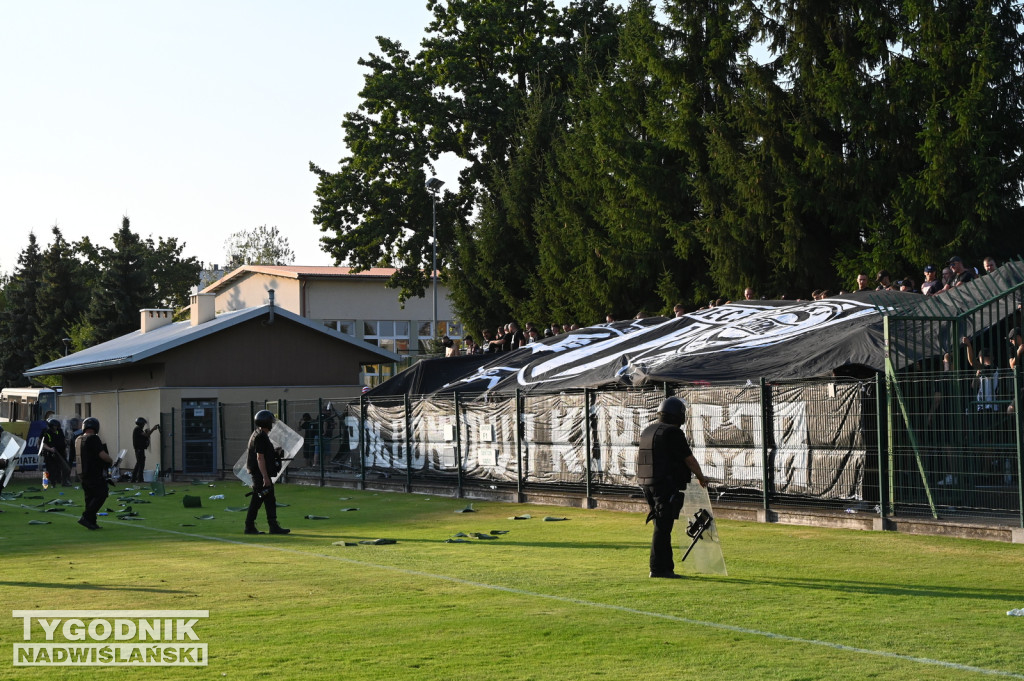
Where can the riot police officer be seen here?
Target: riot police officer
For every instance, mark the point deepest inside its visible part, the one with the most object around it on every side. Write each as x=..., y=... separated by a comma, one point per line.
x=263, y=464
x=664, y=466
x=140, y=443
x=54, y=449
x=95, y=461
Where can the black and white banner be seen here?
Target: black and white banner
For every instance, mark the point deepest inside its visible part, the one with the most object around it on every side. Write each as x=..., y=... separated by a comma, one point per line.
x=814, y=445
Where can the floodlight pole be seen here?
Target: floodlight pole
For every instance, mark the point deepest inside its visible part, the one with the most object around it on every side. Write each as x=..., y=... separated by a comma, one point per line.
x=433, y=185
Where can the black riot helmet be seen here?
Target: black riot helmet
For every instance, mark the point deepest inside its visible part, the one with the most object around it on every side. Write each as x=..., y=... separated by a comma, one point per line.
x=264, y=419
x=54, y=424
x=672, y=410
x=140, y=421
x=92, y=423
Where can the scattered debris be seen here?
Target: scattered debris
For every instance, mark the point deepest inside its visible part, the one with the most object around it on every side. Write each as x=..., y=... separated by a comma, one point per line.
x=525, y=516
x=552, y=519
x=317, y=517
x=379, y=542
x=468, y=509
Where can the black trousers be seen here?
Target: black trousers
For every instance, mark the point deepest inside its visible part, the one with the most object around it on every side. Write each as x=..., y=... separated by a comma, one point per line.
x=268, y=500
x=665, y=504
x=95, y=496
x=140, y=465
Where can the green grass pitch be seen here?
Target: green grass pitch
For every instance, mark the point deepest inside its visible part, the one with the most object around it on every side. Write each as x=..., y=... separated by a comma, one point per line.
x=547, y=600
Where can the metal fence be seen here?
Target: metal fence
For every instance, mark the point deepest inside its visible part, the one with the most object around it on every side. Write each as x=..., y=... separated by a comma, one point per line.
x=919, y=445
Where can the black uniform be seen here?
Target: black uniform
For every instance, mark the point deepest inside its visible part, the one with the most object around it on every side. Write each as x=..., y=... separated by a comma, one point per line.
x=259, y=443
x=140, y=443
x=56, y=461
x=94, y=479
x=661, y=473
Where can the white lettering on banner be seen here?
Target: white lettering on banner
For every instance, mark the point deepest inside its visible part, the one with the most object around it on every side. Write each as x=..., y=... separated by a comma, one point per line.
x=726, y=439
x=563, y=421
x=792, y=448
x=703, y=419
x=618, y=431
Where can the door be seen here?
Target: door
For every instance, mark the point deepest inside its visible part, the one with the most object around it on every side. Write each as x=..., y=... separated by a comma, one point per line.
x=199, y=436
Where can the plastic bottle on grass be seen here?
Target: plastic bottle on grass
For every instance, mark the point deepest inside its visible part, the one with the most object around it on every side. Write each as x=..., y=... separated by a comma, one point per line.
x=46, y=480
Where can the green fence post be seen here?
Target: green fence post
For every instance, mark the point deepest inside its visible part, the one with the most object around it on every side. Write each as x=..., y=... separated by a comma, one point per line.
x=408, y=443
x=586, y=442
x=883, y=468
x=766, y=432
x=458, y=447
x=320, y=437
x=519, y=446
x=363, y=441
x=174, y=440
x=1020, y=448
x=223, y=437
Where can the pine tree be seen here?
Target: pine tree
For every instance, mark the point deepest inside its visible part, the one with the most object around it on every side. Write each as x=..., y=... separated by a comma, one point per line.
x=18, y=319
x=61, y=300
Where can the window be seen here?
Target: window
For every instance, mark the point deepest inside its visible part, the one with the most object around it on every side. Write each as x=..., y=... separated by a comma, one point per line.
x=346, y=326
x=387, y=335
x=444, y=328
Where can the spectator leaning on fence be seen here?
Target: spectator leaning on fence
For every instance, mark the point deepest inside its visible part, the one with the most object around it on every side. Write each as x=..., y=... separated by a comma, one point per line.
x=931, y=284
x=986, y=379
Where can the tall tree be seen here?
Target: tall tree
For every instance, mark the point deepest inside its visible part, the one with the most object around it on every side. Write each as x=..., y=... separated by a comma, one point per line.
x=133, y=275
x=260, y=246
x=18, y=319
x=958, y=84
x=61, y=300
x=465, y=93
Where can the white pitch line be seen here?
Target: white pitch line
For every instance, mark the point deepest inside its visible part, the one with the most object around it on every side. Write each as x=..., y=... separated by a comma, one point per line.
x=589, y=604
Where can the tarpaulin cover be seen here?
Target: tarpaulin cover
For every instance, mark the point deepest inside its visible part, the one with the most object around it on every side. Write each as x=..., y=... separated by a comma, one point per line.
x=747, y=340
x=777, y=340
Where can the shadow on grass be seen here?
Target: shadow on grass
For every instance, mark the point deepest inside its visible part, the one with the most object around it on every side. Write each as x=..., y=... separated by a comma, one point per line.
x=92, y=587
x=874, y=588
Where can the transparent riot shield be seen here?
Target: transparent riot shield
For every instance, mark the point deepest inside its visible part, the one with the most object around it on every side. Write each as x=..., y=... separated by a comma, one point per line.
x=701, y=536
x=281, y=436
x=11, y=447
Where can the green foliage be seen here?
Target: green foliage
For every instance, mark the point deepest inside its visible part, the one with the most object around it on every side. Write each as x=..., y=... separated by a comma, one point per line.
x=18, y=319
x=61, y=299
x=86, y=293
x=627, y=158
x=260, y=246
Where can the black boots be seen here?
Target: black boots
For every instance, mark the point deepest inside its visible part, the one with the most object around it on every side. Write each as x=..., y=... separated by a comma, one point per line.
x=250, y=528
x=277, y=529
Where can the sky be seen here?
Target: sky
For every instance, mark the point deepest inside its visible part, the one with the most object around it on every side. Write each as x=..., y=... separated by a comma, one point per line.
x=195, y=119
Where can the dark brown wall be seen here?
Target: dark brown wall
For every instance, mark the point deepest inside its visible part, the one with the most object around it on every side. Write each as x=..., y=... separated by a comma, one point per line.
x=251, y=353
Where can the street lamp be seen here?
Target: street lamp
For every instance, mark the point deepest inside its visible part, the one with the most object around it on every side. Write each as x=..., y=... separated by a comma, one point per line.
x=67, y=343
x=433, y=186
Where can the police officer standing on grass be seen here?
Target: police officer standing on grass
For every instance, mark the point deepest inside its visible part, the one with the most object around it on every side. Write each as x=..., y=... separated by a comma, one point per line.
x=140, y=443
x=95, y=461
x=664, y=466
x=263, y=464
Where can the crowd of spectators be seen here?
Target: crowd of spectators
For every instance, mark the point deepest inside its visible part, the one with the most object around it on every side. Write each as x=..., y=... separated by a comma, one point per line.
x=510, y=337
